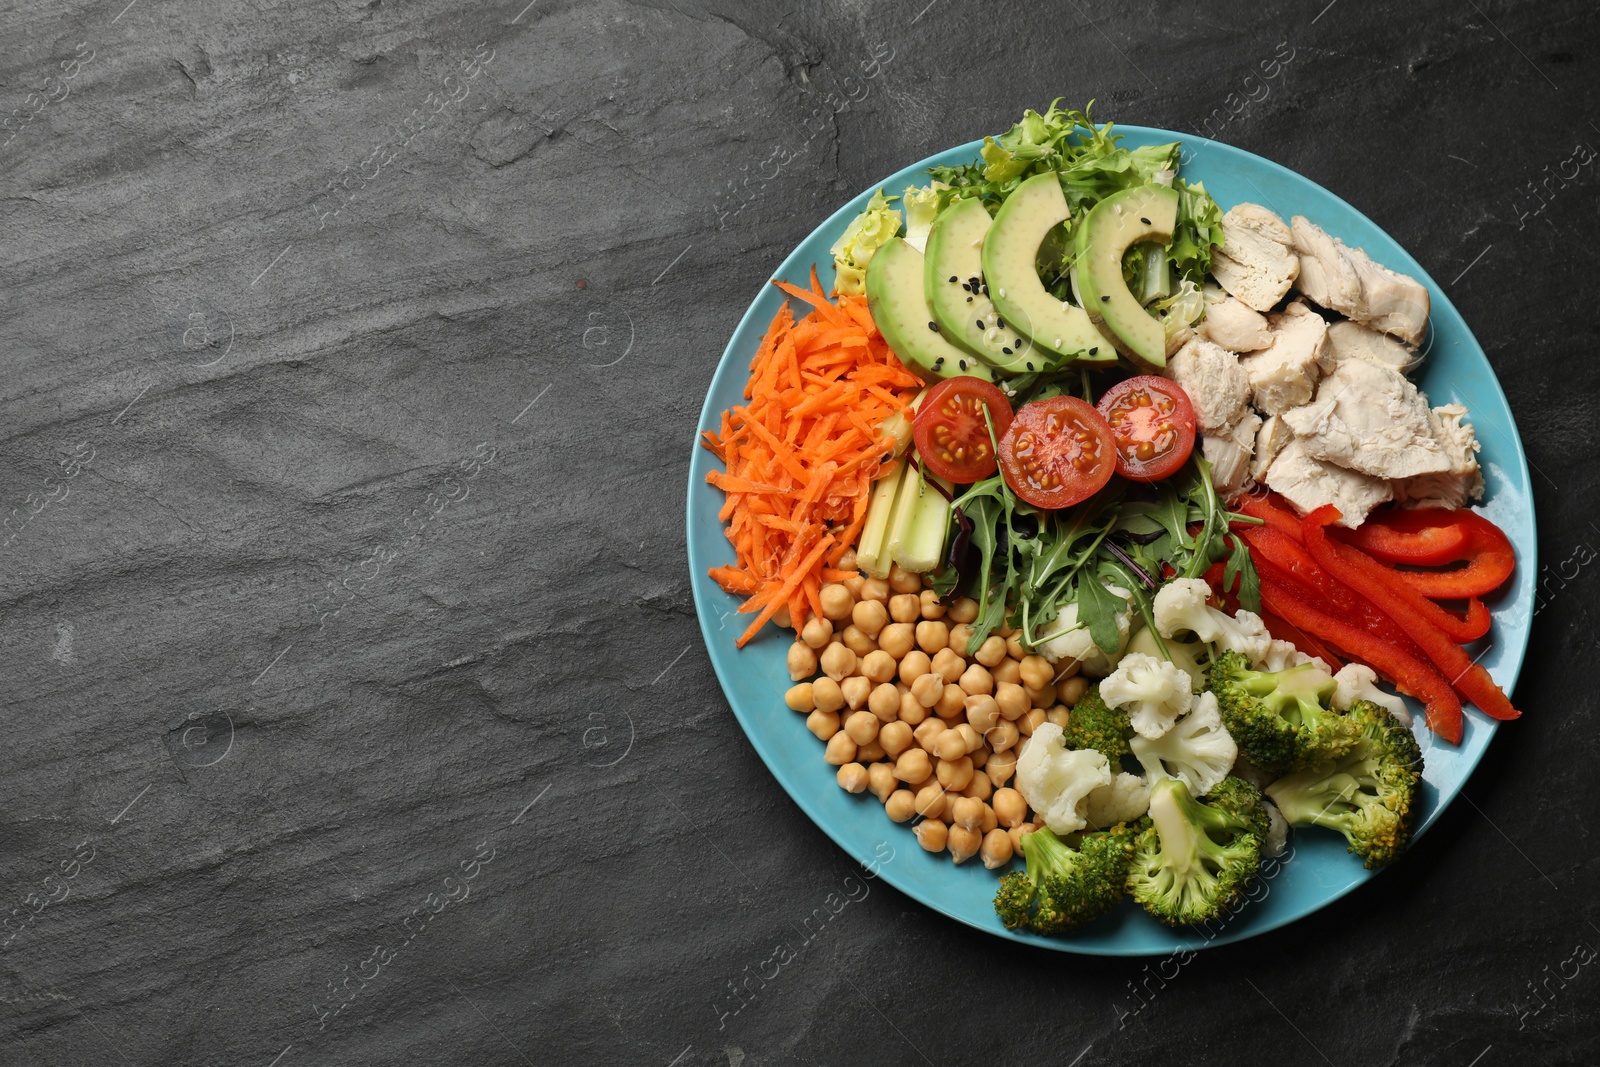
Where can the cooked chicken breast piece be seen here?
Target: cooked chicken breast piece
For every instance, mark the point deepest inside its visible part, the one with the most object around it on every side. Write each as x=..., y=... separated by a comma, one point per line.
x=1351, y=340
x=1216, y=384
x=1229, y=453
x=1308, y=483
x=1256, y=262
x=1284, y=375
x=1455, y=487
x=1270, y=439
x=1231, y=323
x=1370, y=419
x=1346, y=280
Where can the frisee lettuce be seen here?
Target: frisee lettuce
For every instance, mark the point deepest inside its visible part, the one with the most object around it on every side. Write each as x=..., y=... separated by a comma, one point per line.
x=869, y=231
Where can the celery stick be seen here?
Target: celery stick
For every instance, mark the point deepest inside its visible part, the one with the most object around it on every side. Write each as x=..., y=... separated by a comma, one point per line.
x=905, y=507
x=871, y=556
x=921, y=548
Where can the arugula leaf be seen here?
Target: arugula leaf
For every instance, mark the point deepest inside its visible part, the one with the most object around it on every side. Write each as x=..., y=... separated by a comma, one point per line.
x=1097, y=609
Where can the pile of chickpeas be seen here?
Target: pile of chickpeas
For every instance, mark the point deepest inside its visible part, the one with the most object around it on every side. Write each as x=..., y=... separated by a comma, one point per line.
x=884, y=679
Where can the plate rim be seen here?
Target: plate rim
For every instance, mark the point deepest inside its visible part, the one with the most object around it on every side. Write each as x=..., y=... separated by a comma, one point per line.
x=709, y=418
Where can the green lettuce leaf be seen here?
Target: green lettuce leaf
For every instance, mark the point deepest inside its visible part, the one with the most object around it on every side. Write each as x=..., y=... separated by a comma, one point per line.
x=867, y=232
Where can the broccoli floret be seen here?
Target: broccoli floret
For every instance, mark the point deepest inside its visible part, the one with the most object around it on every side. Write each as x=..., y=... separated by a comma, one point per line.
x=1281, y=719
x=1197, y=858
x=1063, y=888
x=1091, y=724
x=1368, y=795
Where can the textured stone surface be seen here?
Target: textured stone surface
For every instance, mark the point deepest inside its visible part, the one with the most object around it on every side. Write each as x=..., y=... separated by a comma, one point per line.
x=351, y=355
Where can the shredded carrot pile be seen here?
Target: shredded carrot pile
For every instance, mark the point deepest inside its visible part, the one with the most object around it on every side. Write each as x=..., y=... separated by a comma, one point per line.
x=801, y=455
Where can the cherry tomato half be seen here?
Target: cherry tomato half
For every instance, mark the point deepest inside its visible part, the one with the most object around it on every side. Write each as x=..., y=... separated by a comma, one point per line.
x=1152, y=422
x=1058, y=452
x=952, y=437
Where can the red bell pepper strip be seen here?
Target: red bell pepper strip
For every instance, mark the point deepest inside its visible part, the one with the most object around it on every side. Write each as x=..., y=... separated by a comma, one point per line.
x=1489, y=557
x=1270, y=511
x=1268, y=545
x=1284, y=630
x=1424, y=537
x=1411, y=676
x=1414, y=613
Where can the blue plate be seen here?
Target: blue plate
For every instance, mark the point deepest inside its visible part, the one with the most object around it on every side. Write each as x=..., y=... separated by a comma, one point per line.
x=1319, y=869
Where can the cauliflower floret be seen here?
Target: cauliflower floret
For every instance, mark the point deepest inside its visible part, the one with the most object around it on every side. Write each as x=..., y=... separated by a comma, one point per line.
x=1055, y=780
x=1281, y=655
x=1124, y=800
x=1181, y=605
x=1065, y=639
x=1188, y=655
x=1152, y=691
x=1357, y=681
x=1197, y=749
x=1277, y=832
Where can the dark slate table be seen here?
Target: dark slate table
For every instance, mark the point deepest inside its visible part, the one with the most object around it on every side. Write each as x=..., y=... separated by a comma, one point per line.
x=352, y=353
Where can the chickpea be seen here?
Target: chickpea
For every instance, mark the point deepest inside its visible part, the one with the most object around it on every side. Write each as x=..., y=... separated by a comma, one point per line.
x=911, y=710
x=982, y=712
x=1016, y=834
x=802, y=661
x=895, y=737
x=838, y=662
x=853, y=778
x=996, y=849
x=875, y=589
x=932, y=801
x=1071, y=690
x=836, y=601
x=1068, y=668
x=905, y=607
x=915, y=664
x=878, y=667
x=1026, y=724
x=989, y=821
x=1009, y=671
x=1002, y=736
x=932, y=635
x=928, y=733
x=847, y=562
x=992, y=651
x=954, y=775
x=967, y=811
x=947, y=665
x=857, y=641
x=871, y=752
x=862, y=726
x=903, y=581
x=963, y=843
x=854, y=585
x=950, y=745
x=896, y=639
x=1058, y=715
x=780, y=618
x=1041, y=698
x=901, y=805
x=827, y=694
x=931, y=835
x=980, y=786
x=817, y=633
x=1005, y=630
x=856, y=689
x=1012, y=700
x=841, y=750
x=977, y=681
x=972, y=738
x=1037, y=672
x=799, y=697
x=930, y=605
x=979, y=756
x=869, y=616
x=823, y=723
x=1014, y=647
x=960, y=638
x=952, y=702
x=965, y=609
x=1001, y=766
x=928, y=689
x=881, y=781
x=884, y=704
x=1009, y=807
x=913, y=765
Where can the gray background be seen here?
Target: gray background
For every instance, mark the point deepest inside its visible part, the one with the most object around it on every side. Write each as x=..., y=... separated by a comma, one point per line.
x=351, y=358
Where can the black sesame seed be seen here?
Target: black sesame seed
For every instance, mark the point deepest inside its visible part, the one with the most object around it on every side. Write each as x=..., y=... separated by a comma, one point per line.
x=963, y=364
x=1144, y=220
x=1030, y=366
x=1107, y=296
x=1017, y=342
x=1007, y=351
x=969, y=299
x=1095, y=350
x=967, y=286
x=939, y=362
x=980, y=324
x=1001, y=323
x=953, y=277
x=934, y=326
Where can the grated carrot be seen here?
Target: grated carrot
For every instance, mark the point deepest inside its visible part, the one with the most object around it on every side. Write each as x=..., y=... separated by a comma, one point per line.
x=802, y=453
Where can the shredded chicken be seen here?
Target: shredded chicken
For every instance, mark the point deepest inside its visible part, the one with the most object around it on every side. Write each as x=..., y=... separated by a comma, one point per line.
x=1234, y=325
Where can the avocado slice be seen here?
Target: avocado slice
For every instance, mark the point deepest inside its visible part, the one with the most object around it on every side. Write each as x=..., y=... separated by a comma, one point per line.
x=1020, y=298
x=1115, y=224
x=953, y=279
x=900, y=309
